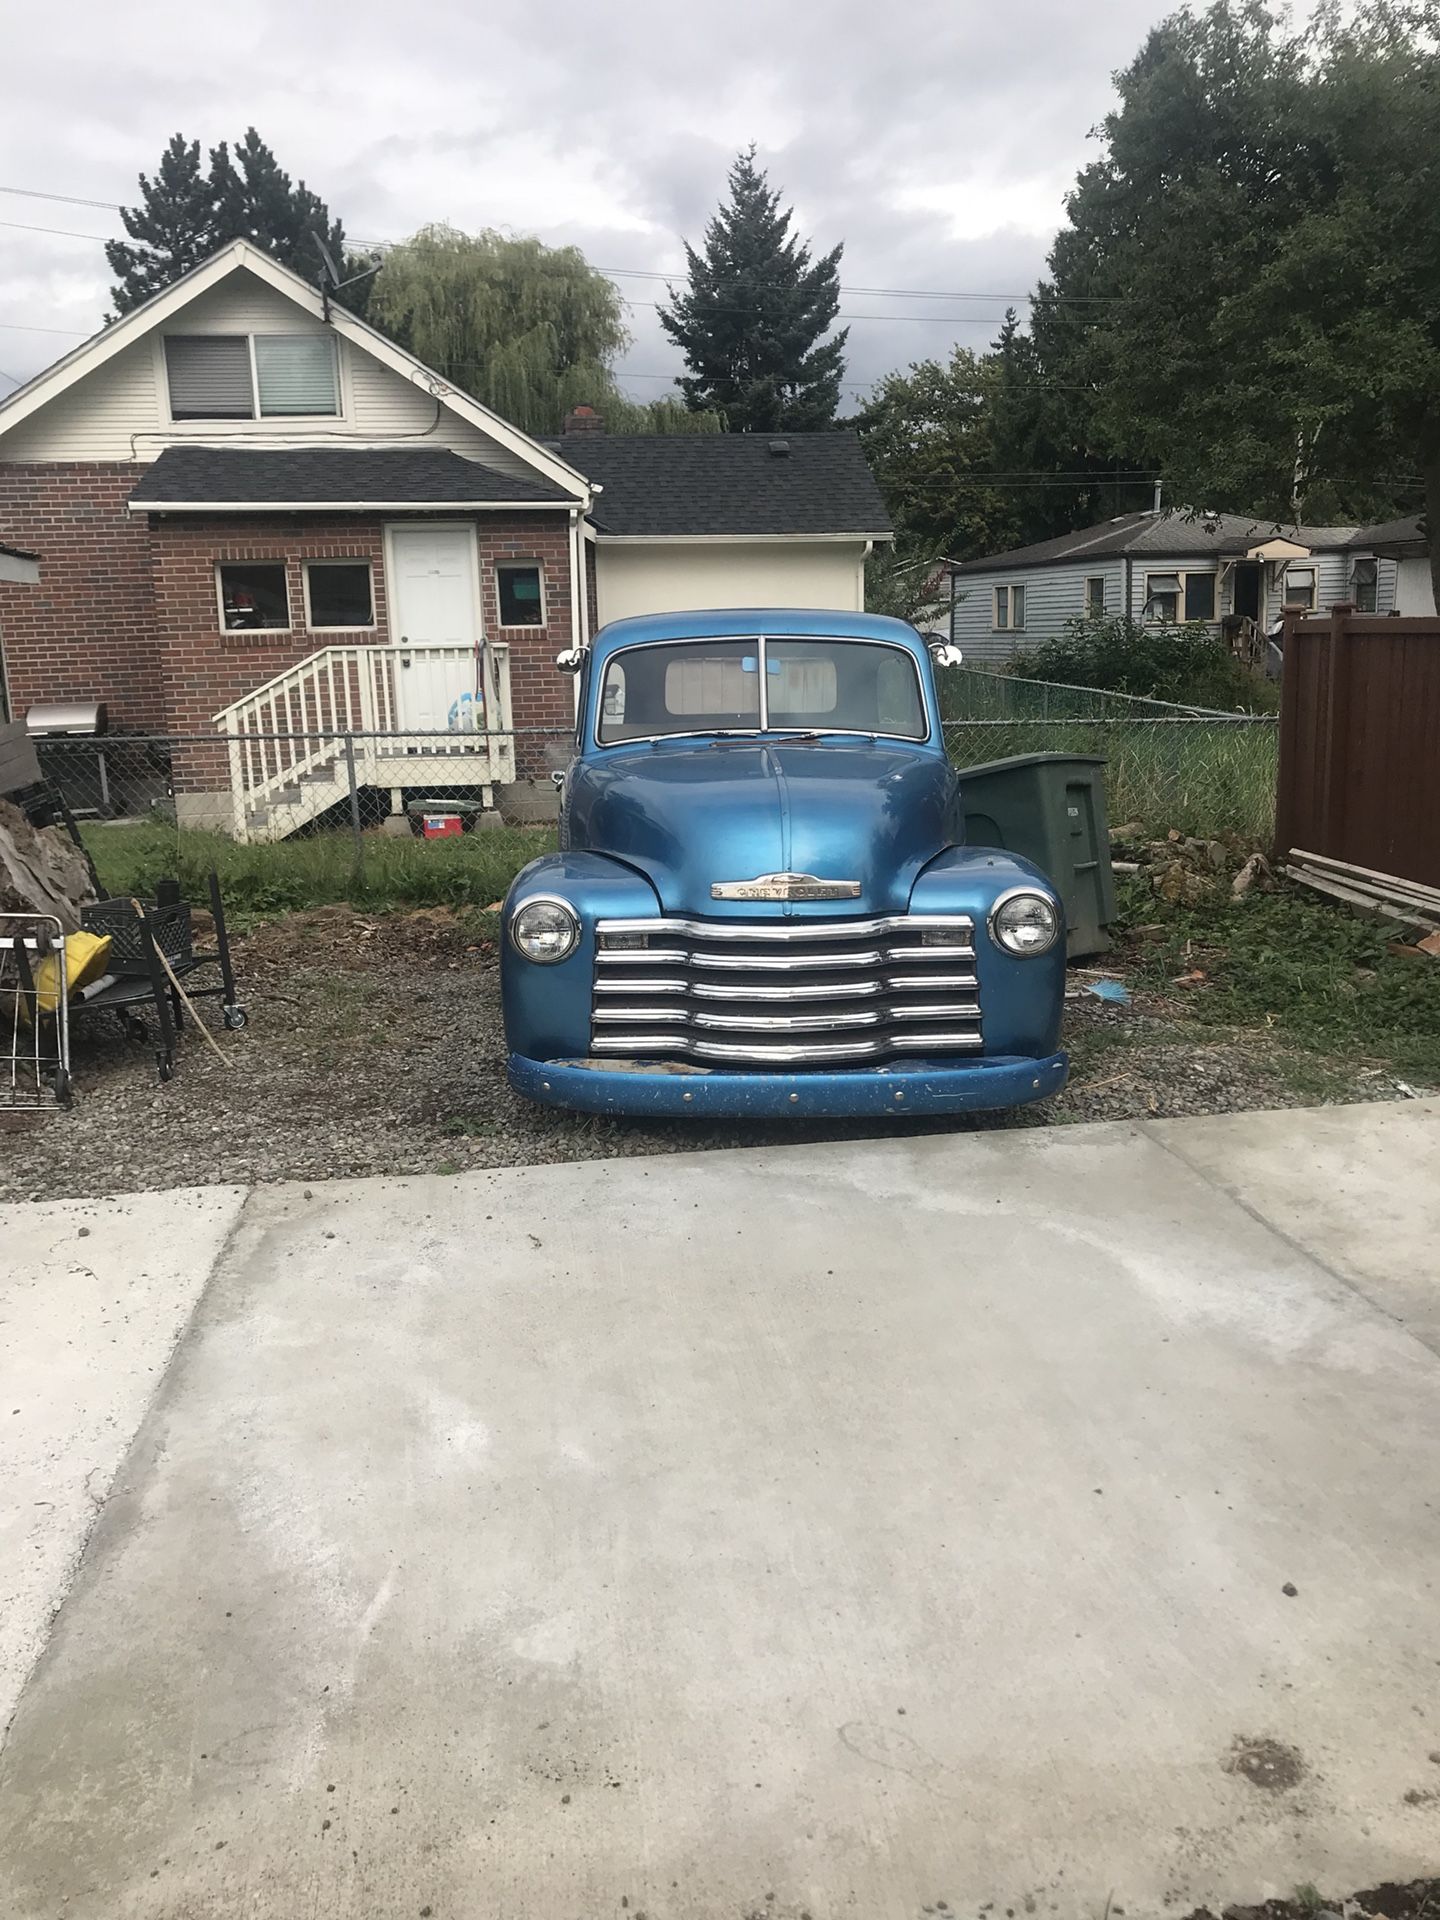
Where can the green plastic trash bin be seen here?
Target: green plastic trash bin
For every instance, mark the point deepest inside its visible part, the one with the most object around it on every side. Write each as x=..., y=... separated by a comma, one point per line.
x=1050, y=808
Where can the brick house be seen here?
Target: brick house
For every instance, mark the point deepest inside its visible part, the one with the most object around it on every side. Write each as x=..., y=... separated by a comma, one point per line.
x=255, y=515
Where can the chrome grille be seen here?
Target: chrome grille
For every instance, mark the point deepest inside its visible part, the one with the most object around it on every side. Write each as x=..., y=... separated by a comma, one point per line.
x=785, y=993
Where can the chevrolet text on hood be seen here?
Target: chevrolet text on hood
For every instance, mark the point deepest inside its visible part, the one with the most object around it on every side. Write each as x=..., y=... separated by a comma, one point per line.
x=762, y=903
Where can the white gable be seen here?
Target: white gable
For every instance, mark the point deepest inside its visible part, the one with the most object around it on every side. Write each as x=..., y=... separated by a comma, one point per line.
x=118, y=408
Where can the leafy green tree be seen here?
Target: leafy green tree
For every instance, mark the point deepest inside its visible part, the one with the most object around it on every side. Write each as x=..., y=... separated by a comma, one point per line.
x=752, y=319
x=929, y=434
x=186, y=214
x=529, y=330
x=1249, y=279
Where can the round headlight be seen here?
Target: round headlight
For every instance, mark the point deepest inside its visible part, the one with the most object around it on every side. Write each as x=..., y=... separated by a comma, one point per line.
x=545, y=931
x=1024, y=924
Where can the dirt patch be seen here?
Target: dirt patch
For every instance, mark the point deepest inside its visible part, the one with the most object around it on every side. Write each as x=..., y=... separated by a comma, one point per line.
x=1410, y=1900
x=1267, y=1764
x=375, y=1046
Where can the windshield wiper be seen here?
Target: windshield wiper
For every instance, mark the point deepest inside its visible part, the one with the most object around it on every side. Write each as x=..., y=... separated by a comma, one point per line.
x=823, y=733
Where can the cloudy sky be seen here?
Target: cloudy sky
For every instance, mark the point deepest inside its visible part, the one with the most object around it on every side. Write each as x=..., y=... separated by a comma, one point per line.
x=936, y=138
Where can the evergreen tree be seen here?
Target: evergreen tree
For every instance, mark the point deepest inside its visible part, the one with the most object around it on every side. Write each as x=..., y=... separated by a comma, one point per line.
x=175, y=226
x=257, y=201
x=186, y=214
x=752, y=318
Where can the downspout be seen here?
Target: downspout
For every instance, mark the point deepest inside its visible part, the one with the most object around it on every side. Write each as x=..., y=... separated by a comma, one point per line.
x=577, y=598
x=1129, y=589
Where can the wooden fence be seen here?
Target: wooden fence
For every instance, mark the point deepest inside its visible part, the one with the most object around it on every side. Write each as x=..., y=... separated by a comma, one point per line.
x=1360, y=742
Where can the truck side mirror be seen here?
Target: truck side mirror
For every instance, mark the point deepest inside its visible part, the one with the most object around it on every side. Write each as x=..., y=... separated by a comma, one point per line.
x=944, y=655
x=571, y=660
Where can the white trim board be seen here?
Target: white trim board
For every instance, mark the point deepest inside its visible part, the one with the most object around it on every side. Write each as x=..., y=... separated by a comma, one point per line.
x=141, y=320
x=349, y=506
x=736, y=539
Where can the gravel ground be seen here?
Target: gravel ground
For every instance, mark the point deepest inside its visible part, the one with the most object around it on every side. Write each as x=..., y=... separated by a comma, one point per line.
x=375, y=1046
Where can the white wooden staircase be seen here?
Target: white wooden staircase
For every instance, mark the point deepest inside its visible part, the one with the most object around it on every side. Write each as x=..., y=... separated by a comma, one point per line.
x=446, y=723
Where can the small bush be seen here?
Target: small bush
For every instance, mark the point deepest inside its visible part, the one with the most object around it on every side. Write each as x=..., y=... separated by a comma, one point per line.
x=1188, y=664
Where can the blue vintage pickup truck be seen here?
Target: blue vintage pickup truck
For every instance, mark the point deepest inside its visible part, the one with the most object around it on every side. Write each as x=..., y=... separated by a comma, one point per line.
x=761, y=904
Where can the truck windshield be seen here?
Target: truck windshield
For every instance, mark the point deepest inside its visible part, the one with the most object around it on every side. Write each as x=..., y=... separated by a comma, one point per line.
x=761, y=685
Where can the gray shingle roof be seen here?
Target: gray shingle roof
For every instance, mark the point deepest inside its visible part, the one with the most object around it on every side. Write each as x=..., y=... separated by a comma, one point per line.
x=330, y=476
x=1180, y=535
x=1393, y=533
x=719, y=483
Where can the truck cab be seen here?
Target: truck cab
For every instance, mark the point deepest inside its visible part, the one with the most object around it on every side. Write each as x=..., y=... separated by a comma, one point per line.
x=762, y=903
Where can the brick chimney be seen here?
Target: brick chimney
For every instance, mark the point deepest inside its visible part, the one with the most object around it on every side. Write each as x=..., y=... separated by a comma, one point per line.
x=583, y=420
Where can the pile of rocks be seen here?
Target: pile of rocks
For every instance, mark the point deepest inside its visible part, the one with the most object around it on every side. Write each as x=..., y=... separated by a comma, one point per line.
x=1188, y=871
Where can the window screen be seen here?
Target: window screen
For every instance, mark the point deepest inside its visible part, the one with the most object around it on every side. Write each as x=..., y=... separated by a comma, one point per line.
x=340, y=594
x=1199, y=596
x=1162, y=597
x=1364, y=585
x=1095, y=593
x=209, y=376
x=254, y=596
x=296, y=373
x=520, y=601
x=1300, y=587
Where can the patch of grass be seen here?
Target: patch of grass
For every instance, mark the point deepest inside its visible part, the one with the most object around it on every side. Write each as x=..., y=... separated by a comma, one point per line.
x=289, y=875
x=1297, y=967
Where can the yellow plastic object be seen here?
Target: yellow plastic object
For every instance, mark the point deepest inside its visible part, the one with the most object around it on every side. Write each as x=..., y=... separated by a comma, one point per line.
x=85, y=958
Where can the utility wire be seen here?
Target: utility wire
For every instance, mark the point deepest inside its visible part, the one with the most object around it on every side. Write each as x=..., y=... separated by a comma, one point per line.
x=615, y=273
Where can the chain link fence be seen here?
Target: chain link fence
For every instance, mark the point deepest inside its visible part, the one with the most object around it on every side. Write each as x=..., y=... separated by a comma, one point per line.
x=294, y=818
x=1190, y=768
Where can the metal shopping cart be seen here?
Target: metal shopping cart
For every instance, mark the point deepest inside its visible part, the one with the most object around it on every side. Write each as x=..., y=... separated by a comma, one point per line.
x=34, y=1014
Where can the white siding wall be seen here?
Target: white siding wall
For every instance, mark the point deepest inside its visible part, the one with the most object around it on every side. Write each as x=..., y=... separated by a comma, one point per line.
x=1053, y=595
x=121, y=411
x=1414, y=592
x=1056, y=593
x=684, y=575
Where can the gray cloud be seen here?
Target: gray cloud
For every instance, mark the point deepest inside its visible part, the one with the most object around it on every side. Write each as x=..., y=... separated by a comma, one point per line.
x=935, y=138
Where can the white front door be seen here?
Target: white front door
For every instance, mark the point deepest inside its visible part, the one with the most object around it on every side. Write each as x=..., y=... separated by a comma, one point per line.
x=435, y=627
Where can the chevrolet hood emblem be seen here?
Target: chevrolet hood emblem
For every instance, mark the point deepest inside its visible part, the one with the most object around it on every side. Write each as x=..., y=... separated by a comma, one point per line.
x=785, y=886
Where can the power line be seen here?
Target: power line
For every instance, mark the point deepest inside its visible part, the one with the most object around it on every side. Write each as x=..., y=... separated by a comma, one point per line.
x=19, y=326
x=624, y=273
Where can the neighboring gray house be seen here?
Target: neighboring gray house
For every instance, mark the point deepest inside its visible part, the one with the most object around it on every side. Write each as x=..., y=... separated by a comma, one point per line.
x=1235, y=573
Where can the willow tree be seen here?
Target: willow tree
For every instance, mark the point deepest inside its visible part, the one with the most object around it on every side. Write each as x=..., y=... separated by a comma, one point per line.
x=529, y=330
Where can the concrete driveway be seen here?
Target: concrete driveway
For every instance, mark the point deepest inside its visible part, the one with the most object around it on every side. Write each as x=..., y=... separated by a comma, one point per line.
x=1043, y=1519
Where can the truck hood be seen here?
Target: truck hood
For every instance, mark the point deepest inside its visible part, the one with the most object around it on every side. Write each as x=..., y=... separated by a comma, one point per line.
x=693, y=813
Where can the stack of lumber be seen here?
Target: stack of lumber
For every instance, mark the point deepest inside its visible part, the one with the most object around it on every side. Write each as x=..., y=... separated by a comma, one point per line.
x=1380, y=893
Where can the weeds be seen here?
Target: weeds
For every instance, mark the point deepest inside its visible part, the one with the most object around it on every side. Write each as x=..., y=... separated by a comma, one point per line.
x=1305, y=971
x=321, y=870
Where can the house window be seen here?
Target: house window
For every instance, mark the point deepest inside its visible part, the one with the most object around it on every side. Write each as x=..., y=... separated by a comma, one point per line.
x=1009, y=609
x=522, y=603
x=1094, y=594
x=1199, y=596
x=338, y=594
x=1162, y=598
x=1300, y=588
x=209, y=376
x=253, y=594
x=295, y=373
x=239, y=376
x=1364, y=585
